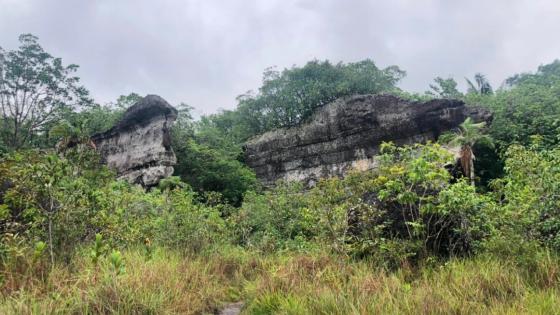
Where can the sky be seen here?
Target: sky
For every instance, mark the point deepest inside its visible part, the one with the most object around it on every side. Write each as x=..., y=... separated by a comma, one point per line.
x=207, y=52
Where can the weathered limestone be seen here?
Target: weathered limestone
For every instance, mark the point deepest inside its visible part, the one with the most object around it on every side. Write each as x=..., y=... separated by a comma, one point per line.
x=138, y=148
x=346, y=134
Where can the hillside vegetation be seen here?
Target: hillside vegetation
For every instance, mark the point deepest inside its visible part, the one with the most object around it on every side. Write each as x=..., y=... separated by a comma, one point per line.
x=406, y=238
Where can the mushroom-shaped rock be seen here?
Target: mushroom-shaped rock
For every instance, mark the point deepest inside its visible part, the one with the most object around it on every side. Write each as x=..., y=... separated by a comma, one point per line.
x=138, y=147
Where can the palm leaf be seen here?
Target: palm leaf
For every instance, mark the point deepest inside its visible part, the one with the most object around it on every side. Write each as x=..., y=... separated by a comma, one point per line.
x=472, y=88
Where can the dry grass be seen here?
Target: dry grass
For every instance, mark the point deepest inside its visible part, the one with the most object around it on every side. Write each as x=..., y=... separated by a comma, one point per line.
x=166, y=284
x=482, y=286
x=281, y=284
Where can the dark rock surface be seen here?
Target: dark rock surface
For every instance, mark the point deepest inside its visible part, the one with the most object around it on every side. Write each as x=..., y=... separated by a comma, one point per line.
x=346, y=134
x=138, y=146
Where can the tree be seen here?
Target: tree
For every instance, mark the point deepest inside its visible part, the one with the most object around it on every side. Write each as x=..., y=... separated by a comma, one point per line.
x=530, y=194
x=96, y=118
x=70, y=136
x=469, y=134
x=125, y=101
x=209, y=169
x=289, y=97
x=529, y=107
x=209, y=157
x=546, y=75
x=183, y=128
x=34, y=89
x=482, y=86
x=444, y=88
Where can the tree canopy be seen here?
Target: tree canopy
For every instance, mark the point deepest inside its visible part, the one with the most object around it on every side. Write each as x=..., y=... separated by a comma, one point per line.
x=35, y=88
x=528, y=107
x=289, y=97
x=444, y=88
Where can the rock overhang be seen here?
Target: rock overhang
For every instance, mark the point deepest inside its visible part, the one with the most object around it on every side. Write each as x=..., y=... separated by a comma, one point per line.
x=346, y=135
x=138, y=147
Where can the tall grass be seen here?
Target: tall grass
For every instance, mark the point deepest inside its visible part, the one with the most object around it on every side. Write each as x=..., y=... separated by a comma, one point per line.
x=167, y=283
x=287, y=283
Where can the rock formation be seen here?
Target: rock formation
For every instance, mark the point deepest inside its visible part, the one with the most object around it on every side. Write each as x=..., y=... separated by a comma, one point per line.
x=346, y=134
x=138, y=147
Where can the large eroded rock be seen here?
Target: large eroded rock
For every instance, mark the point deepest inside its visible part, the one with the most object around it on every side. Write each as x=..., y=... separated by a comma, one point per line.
x=346, y=134
x=138, y=147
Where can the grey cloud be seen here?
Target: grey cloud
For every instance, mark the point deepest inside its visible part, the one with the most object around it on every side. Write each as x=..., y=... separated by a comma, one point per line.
x=207, y=52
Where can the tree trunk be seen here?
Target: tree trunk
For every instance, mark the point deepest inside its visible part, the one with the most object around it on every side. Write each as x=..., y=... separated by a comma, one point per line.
x=51, y=240
x=467, y=163
x=471, y=173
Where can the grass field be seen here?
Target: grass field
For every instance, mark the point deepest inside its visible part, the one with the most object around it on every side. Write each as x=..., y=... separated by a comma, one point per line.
x=287, y=283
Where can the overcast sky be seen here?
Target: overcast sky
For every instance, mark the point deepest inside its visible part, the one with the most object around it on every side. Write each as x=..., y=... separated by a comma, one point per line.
x=207, y=52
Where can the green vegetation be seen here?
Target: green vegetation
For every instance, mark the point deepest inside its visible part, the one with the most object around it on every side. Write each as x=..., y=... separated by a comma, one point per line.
x=406, y=238
x=469, y=135
x=418, y=243
x=283, y=283
x=287, y=98
x=35, y=90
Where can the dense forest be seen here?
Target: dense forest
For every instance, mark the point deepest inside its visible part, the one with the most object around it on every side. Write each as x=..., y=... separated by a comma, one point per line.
x=76, y=240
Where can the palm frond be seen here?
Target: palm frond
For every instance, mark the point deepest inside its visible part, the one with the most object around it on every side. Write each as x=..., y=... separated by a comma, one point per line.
x=472, y=88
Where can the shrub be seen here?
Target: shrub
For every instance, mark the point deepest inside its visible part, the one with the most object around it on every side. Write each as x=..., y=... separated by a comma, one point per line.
x=530, y=195
x=271, y=220
x=67, y=201
x=409, y=200
x=186, y=224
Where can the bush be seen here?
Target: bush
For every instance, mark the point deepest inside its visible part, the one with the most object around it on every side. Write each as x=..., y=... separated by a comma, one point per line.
x=409, y=200
x=208, y=169
x=530, y=195
x=188, y=225
x=66, y=202
x=274, y=219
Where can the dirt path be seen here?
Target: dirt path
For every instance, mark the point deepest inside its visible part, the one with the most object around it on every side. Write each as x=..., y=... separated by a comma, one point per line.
x=232, y=309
